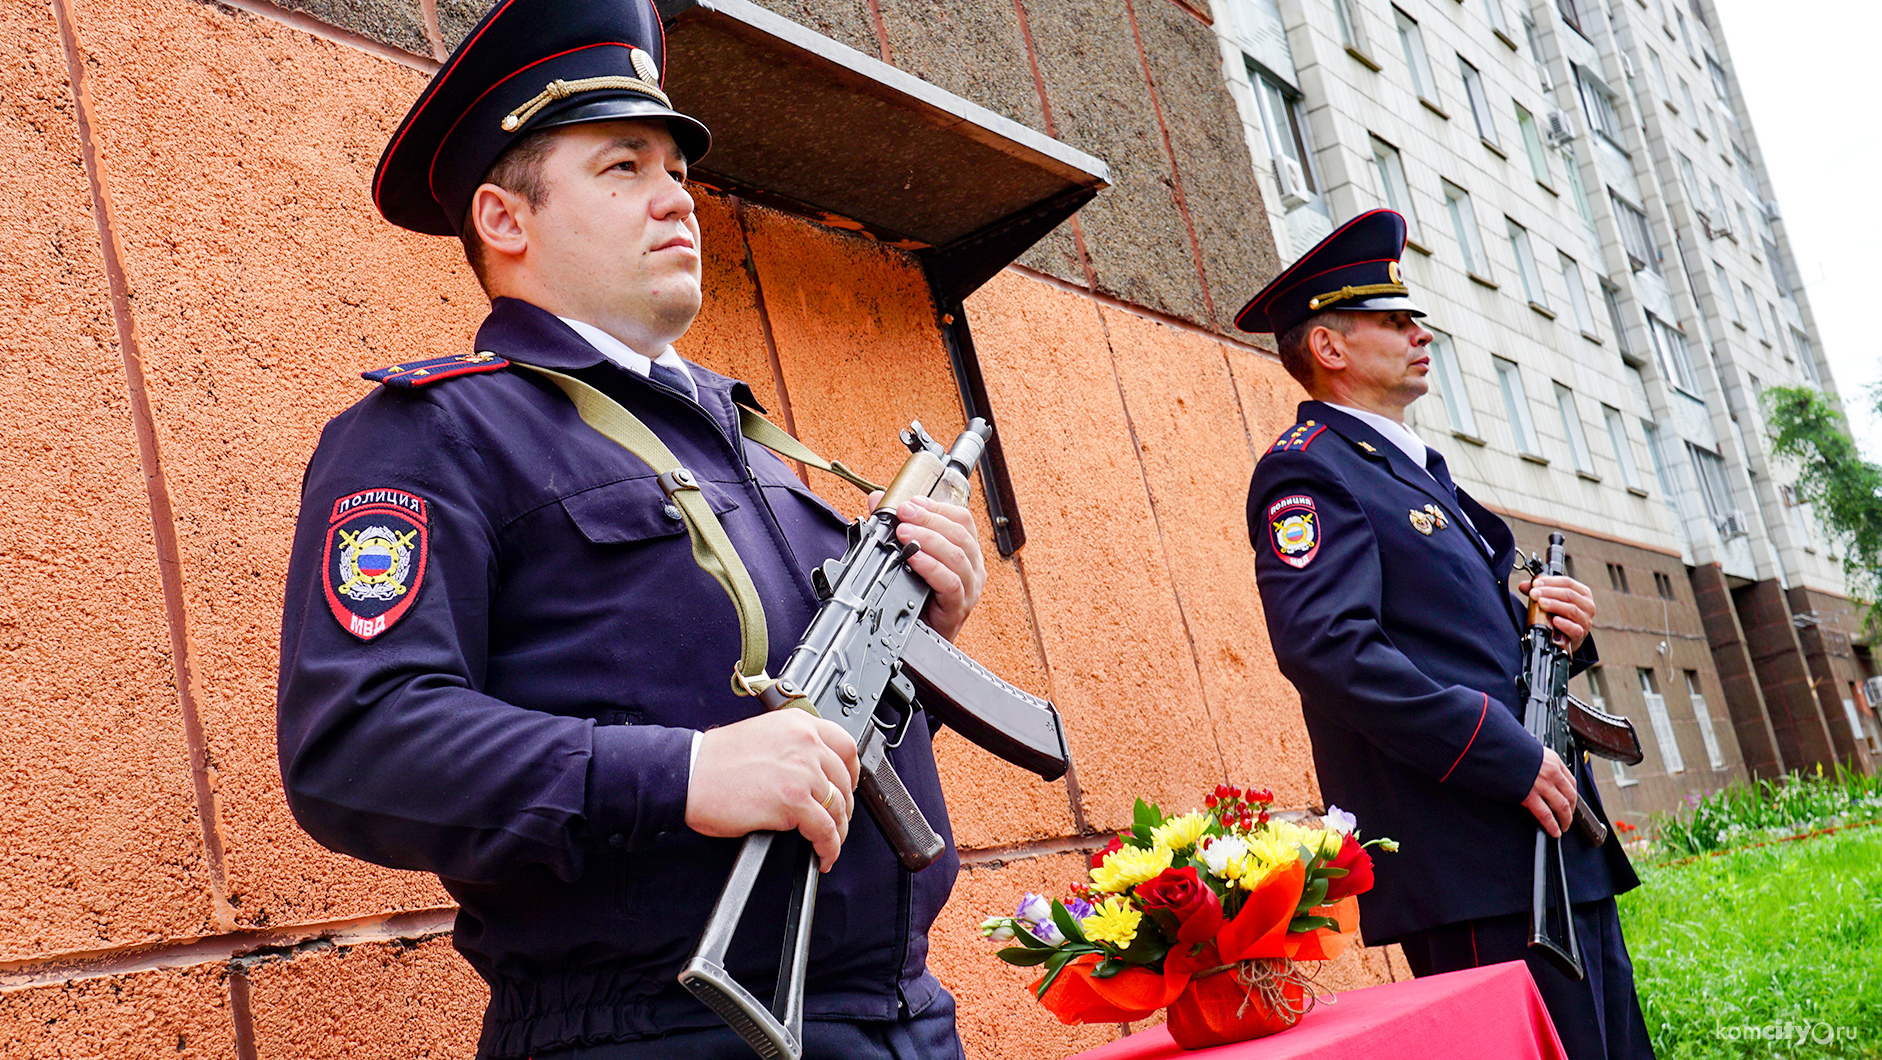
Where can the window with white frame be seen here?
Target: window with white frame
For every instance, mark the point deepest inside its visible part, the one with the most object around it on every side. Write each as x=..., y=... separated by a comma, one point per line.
x=1479, y=102
x=1746, y=175
x=1692, y=109
x=1286, y=130
x=1623, y=449
x=1451, y=383
x=1709, y=470
x=1579, y=193
x=1777, y=326
x=1464, y=226
x=1412, y=42
x=1352, y=30
x=1526, y=263
x=1636, y=234
x=1571, y=14
x=1726, y=295
x=1658, y=70
x=1493, y=10
x=1722, y=220
x=1598, y=698
x=1390, y=167
x=1717, y=74
x=1751, y=310
x=1806, y=357
x=1675, y=357
x=1577, y=294
x=1535, y=54
x=1571, y=426
x=1532, y=144
x=1662, y=722
x=1701, y=714
x=1611, y=297
x=1680, y=17
x=1598, y=103
x=1778, y=274
x=1691, y=178
x=1509, y=379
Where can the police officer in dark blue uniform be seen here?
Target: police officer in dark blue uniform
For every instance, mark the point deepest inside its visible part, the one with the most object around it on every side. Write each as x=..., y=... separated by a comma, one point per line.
x=1387, y=601
x=500, y=661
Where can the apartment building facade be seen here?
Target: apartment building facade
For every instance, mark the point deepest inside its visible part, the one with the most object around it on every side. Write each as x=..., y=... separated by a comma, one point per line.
x=1611, y=287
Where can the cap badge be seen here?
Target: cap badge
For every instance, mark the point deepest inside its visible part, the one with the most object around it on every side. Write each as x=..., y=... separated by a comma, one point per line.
x=1391, y=267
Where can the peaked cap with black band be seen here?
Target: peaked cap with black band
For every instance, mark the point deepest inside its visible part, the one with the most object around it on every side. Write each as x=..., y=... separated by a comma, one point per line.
x=1354, y=268
x=529, y=65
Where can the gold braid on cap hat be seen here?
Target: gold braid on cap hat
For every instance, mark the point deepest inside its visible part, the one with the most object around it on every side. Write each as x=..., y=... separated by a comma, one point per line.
x=1367, y=291
x=558, y=89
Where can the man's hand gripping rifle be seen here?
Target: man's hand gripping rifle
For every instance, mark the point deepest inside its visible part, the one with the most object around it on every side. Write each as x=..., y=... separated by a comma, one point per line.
x=1568, y=727
x=868, y=662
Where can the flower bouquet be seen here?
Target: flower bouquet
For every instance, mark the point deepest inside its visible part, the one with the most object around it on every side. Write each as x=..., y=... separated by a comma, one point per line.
x=1210, y=914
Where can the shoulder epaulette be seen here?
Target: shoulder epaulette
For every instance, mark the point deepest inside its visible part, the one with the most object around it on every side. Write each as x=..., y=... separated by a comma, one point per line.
x=419, y=373
x=1297, y=437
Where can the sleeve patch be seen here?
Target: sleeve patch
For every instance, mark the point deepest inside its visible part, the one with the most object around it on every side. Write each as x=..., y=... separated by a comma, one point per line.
x=377, y=546
x=1297, y=437
x=1294, y=529
x=419, y=373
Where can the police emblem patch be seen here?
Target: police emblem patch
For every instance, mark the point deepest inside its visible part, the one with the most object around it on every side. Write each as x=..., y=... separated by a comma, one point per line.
x=1294, y=529
x=375, y=558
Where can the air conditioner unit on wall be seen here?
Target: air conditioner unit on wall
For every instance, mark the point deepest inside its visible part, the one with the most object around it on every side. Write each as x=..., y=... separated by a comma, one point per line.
x=1771, y=212
x=1560, y=129
x=1293, y=182
x=1732, y=524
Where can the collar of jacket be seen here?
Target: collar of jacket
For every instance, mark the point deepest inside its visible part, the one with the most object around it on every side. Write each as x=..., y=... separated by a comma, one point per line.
x=524, y=332
x=1381, y=450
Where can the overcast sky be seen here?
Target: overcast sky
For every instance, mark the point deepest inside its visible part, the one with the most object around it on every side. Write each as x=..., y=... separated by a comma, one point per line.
x=1808, y=69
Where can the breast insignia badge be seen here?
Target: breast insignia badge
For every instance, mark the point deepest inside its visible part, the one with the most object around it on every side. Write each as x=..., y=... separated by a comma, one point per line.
x=1367, y=446
x=1294, y=529
x=1422, y=522
x=1437, y=516
x=375, y=558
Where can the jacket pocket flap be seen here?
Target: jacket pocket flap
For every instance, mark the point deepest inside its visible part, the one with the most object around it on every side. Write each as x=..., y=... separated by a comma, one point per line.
x=635, y=510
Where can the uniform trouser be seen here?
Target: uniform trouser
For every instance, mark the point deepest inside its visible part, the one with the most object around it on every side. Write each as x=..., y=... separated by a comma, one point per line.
x=930, y=1035
x=1597, y=1019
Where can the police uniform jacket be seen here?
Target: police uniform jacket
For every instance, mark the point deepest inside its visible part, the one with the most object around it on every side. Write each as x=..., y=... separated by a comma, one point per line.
x=1397, y=626
x=523, y=726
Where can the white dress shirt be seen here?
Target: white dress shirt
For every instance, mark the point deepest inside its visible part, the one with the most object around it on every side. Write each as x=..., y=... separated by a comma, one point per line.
x=624, y=355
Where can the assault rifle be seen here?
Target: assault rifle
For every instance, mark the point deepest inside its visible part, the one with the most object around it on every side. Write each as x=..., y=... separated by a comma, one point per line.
x=1570, y=728
x=868, y=663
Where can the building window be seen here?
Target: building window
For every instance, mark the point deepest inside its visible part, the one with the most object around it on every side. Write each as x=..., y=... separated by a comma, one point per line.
x=1479, y=103
x=1658, y=70
x=1464, y=226
x=1691, y=177
x=1746, y=175
x=1577, y=294
x=1526, y=263
x=1623, y=449
x=1352, y=33
x=1636, y=235
x=1692, y=109
x=1493, y=10
x=1717, y=73
x=1611, y=297
x=1286, y=132
x=1680, y=17
x=1536, y=56
x=1391, y=170
x=1752, y=311
x=1709, y=469
x=1598, y=698
x=1571, y=14
x=1412, y=42
x=1721, y=221
x=1675, y=357
x=1725, y=294
x=1778, y=275
x=1663, y=584
x=1617, y=577
x=1532, y=143
x=1662, y=723
x=1516, y=405
x=1660, y=473
x=1598, y=103
x=1580, y=195
x=1714, y=756
x=1806, y=357
x=1571, y=426
x=1451, y=383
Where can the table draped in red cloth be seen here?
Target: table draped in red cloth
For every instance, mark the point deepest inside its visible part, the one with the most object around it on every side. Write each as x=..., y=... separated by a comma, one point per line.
x=1489, y=1013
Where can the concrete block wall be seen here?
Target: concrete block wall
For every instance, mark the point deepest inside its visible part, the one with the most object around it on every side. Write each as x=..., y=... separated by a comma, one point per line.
x=198, y=286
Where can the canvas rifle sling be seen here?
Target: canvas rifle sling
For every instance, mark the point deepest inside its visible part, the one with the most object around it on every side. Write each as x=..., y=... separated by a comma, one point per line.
x=712, y=548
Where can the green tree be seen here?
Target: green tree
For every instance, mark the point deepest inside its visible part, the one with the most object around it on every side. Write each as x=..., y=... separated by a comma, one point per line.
x=1846, y=489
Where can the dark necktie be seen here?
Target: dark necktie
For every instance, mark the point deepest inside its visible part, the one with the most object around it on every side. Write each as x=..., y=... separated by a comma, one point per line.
x=1434, y=463
x=673, y=379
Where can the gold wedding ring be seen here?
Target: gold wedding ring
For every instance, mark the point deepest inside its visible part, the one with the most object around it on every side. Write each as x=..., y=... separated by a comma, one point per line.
x=835, y=793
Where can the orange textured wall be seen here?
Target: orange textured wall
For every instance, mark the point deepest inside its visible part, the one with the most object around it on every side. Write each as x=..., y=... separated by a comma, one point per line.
x=197, y=288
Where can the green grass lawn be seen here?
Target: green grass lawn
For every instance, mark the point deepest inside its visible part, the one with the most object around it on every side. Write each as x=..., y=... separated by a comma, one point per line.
x=1732, y=951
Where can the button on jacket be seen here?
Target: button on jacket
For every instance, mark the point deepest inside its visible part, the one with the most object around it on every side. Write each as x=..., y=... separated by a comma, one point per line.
x=1397, y=626
x=522, y=728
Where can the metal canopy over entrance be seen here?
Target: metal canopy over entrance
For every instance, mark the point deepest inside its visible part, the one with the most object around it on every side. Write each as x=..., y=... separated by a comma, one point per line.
x=815, y=128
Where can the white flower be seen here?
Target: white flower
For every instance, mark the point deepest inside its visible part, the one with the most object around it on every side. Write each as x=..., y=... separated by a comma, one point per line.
x=997, y=928
x=1338, y=820
x=1048, y=932
x=1218, y=851
x=1034, y=908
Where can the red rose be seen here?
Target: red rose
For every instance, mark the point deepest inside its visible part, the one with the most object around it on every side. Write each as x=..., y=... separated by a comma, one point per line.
x=1098, y=858
x=1358, y=865
x=1196, y=909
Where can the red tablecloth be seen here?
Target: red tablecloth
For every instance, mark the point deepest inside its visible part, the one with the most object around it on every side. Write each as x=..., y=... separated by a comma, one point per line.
x=1489, y=1013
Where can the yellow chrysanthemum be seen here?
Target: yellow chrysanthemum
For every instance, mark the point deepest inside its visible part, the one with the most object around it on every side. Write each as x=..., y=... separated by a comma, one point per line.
x=1128, y=867
x=1113, y=921
x=1180, y=833
x=1255, y=873
x=1271, y=847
